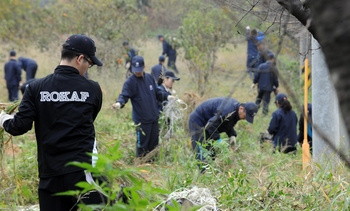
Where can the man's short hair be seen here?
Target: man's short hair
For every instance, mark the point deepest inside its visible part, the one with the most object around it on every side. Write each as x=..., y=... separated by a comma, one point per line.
x=254, y=32
x=12, y=53
x=66, y=53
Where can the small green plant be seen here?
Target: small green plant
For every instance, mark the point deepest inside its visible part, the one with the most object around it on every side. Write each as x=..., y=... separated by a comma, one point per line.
x=141, y=194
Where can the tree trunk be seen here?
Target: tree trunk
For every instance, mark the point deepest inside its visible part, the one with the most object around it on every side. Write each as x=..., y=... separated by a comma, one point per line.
x=330, y=25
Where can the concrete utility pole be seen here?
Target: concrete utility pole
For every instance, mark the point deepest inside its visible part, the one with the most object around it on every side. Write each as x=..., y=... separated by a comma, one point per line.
x=325, y=111
x=304, y=44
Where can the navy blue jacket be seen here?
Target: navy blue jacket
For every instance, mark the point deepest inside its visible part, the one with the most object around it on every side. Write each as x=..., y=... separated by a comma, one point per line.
x=261, y=58
x=283, y=127
x=131, y=53
x=265, y=78
x=12, y=73
x=27, y=63
x=168, y=49
x=144, y=94
x=156, y=70
x=217, y=115
x=252, y=49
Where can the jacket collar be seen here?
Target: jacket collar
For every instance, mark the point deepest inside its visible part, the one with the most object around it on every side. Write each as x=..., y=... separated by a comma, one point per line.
x=64, y=69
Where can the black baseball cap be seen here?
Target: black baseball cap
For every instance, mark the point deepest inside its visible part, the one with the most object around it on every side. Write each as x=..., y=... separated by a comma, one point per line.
x=125, y=43
x=170, y=74
x=250, y=111
x=137, y=64
x=82, y=44
x=280, y=97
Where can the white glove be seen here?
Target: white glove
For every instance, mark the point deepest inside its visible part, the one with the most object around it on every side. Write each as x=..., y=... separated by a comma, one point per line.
x=233, y=141
x=116, y=105
x=179, y=101
x=252, y=86
x=248, y=27
x=170, y=97
x=4, y=117
x=127, y=65
x=173, y=92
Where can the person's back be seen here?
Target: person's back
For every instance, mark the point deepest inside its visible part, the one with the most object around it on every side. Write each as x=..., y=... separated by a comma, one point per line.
x=63, y=107
x=12, y=76
x=26, y=62
x=209, y=108
x=28, y=65
x=253, y=38
x=12, y=72
x=287, y=127
x=66, y=132
x=283, y=125
x=159, y=70
x=265, y=77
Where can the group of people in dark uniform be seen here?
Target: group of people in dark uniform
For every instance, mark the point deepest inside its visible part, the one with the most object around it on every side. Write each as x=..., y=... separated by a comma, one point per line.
x=264, y=73
x=216, y=115
x=64, y=105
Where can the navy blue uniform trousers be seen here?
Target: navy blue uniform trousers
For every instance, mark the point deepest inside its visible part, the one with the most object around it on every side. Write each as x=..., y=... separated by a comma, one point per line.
x=147, y=138
x=264, y=96
x=31, y=71
x=12, y=92
x=171, y=62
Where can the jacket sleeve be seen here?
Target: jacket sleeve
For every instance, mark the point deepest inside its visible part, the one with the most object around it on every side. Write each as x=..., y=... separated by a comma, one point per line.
x=260, y=36
x=301, y=129
x=212, y=127
x=99, y=104
x=274, y=124
x=247, y=34
x=18, y=72
x=275, y=78
x=257, y=75
x=231, y=132
x=165, y=48
x=24, y=118
x=161, y=94
x=127, y=93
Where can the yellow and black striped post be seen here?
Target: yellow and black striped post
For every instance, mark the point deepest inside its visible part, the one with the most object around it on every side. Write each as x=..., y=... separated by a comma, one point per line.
x=305, y=146
x=308, y=82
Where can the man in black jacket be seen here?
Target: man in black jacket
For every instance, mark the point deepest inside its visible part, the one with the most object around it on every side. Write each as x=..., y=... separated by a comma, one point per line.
x=143, y=92
x=63, y=107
